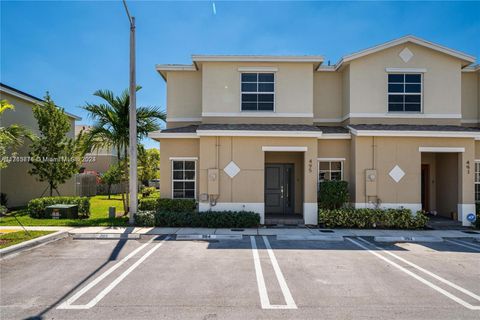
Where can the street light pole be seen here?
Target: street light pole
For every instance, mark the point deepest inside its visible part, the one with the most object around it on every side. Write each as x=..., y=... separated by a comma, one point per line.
x=132, y=123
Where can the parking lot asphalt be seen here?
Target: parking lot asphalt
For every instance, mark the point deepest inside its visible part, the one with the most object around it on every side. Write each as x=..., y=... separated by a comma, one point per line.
x=249, y=278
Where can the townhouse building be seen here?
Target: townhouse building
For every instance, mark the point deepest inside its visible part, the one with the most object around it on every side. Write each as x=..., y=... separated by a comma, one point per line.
x=399, y=122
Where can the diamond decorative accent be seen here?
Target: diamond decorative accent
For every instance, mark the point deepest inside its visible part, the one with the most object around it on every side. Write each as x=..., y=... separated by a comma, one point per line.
x=396, y=173
x=231, y=169
x=406, y=55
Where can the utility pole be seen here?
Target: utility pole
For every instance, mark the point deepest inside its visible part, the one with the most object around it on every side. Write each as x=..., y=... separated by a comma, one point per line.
x=132, y=186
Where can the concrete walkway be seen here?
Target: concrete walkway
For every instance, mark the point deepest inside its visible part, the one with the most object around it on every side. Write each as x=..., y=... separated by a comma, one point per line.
x=260, y=231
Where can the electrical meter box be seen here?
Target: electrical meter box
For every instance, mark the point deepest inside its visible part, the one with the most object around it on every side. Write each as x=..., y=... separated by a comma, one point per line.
x=212, y=186
x=371, y=183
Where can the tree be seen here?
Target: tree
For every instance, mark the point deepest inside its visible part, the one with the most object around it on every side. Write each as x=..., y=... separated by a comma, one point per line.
x=112, y=176
x=110, y=128
x=53, y=153
x=149, y=163
x=12, y=136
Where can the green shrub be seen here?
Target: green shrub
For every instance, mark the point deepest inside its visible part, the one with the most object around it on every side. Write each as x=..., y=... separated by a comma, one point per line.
x=332, y=194
x=148, y=191
x=147, y=204
x=168, y=205
x=210, y=219
x=145, y=218
x=372, y=218
x=176, y=205
x=36, y=207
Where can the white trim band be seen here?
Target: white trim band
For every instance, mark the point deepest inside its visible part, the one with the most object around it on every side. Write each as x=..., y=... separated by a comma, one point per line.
x=286, y=149
x=405, y=133
x=406, y=70
x=257, y=69
x=259, y=114
x=404, y=115
x=183, y=158
x=440, y=149
x=331, y=159
x=175, y=119
x=252, y=133
x=179, y=135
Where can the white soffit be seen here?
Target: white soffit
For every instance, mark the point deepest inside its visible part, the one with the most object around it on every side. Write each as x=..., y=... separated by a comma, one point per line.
x=286, y=149
x=440, y=149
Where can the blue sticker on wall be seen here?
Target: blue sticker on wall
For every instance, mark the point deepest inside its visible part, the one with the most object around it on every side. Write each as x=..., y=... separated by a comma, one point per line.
x=471, y=217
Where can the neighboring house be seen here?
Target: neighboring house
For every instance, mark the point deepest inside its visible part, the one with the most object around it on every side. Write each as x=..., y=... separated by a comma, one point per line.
x=398, y=121
x=98, y=160
x=15, y=182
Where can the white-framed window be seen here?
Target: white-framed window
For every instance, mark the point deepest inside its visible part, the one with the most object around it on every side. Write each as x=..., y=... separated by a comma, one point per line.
x=258, y=91
x=405, y=92
x=330, y=170
x=184, y=174
x=477, y=181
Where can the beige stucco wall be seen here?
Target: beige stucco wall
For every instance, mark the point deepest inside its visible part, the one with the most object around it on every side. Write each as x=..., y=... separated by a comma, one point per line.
x=470, y=95
x=441, y=83
x=184, y=94
x=346, y=91
x=327, y=95
x=383, y=153
x=293, y=87
x=336, y=149
x=174, y=148
x=248, y=185
x=15, y=181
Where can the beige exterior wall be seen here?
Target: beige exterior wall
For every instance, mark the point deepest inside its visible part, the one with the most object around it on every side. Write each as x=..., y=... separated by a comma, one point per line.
x=384, y=153
x=293, y=88
x=327, y=96
x=346, y=91
x=99, y=162
x=470, y=96
x=441, y=82
x=15, y=181
x=174, y=148
x=184, y=94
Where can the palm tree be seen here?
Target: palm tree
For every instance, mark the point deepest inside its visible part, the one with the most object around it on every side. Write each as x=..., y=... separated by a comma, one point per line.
x=110, y=128
x=12, y=136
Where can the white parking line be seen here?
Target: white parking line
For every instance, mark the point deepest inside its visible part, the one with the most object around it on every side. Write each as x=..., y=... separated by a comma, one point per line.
x=464, y=244
x=262, y=289
x=417, y=277
x=68, y=303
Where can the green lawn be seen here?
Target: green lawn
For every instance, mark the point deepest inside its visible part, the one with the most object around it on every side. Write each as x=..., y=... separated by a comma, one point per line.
x=98, y=215
x=11, y=238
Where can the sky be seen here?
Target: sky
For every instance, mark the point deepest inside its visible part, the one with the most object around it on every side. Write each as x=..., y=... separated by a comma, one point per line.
x=72, y=48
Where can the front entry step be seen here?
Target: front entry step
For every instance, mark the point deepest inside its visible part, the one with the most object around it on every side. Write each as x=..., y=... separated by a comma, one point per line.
x=285, y=221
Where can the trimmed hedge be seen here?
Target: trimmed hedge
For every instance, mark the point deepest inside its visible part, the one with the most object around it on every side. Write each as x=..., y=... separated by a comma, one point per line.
x=169, y=205
x=210, y=219
x=36, y=207
x=332, y=194
x=372, y=218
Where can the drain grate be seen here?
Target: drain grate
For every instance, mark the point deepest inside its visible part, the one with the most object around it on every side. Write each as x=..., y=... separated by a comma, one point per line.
x=326, y=231
x=237, y=229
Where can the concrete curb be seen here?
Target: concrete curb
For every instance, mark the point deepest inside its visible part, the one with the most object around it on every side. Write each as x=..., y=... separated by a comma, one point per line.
x=105, y=236
x=208, y=237
x=310, y=238
x=33, y=243
x=409, y=239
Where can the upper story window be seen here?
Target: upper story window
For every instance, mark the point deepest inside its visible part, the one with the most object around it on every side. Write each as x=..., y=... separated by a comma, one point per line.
x=405, y=92
x=258, y=91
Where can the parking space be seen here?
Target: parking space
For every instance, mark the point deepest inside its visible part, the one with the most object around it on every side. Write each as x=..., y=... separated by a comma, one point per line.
x=252, y=277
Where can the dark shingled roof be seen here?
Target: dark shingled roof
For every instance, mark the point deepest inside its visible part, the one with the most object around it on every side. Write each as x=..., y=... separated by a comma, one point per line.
x=258, y=127
x=187, y=129
x=333, y=129
x=412, y=127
